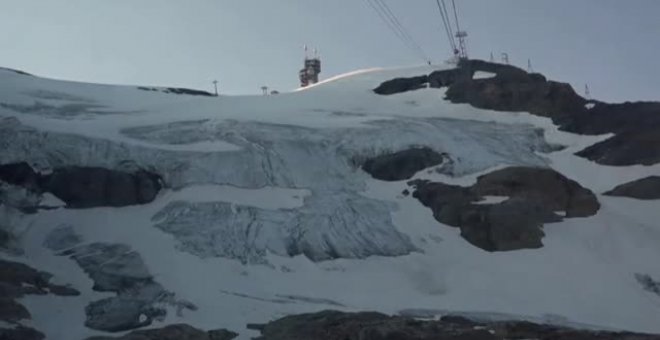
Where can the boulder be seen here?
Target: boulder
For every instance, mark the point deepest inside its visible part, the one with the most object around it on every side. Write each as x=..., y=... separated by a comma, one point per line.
x=403, y=164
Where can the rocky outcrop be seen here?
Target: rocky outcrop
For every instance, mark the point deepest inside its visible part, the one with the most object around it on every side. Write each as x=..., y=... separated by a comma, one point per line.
x=8, y=242
x=21, y=333
x=116, y=268
x=177, y=90
x=16, y=281
x=86, y=187
x=531, y=198
x=640, y=146
x=173, y=332
x=399, y=85
x=513, y=89
x=402, y=164
x=648, y=283
x=332, y=325
x=15, y=71
x=636, y=125
x=546, y=186
x=647, y=188
x=436, y=79
x=20, y=174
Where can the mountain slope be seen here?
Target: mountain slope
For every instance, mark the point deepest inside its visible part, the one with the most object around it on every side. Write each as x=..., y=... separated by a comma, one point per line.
x=265, y=211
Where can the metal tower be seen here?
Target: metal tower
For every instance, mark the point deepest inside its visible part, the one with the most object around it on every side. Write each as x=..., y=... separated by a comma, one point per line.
x=311, y=69
x=462, y=48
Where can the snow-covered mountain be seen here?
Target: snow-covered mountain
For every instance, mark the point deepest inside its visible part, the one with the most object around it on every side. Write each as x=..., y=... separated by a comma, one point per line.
x=419, y=191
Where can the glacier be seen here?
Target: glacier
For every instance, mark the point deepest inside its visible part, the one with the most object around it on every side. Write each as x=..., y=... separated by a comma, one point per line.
x=264, y=198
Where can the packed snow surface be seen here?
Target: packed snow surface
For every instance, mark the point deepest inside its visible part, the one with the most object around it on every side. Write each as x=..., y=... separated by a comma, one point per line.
x=483, y=75
x=267, y=212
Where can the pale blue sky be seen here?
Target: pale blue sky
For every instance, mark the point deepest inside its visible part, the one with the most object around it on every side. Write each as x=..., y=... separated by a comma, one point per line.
x=614, y=45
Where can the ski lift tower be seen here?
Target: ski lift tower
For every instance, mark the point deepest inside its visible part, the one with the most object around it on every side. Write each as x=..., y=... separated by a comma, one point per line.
x=462, y=48
x=311, y=69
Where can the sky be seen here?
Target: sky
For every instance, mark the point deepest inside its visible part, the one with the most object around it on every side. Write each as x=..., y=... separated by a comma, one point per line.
x=611, y=45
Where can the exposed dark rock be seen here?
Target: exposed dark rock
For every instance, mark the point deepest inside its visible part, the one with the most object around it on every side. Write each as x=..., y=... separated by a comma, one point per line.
x=177, y=90
x=647, y=188
x=20, y=333
x=436, y=79
x=173, y=332
x=513, y=89
x=86, y=187
x=636, y=125
x=21, y=279
x=399, y=85
x=5, y=238
x=116, y=268
x=641, y=146
x=116, y=314
x=402, y=164
x=113, y=267
x=16, y=281
x=20, y=174
x=648, y=283
x=333, y=325
x=533, y=196
x=15, y=71
x=8, y=242
x=546, y=186
x=12, y=311
x=510, y=225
